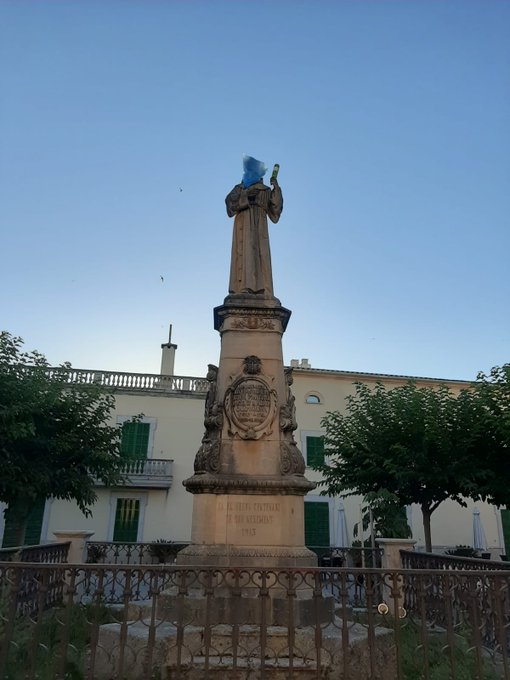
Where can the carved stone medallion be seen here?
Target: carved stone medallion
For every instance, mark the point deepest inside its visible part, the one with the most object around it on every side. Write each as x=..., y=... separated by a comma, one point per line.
x=250, y=406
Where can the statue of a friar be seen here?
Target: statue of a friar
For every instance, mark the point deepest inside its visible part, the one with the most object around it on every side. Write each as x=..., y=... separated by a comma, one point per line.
x=252, y=202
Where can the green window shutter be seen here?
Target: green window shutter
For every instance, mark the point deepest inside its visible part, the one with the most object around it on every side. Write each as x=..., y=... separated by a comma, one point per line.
x=317, y=524
x=505, y=521
x=134, y=441
x=33, y=530
x=314, y=451
x=35, y=520
x=127, y=515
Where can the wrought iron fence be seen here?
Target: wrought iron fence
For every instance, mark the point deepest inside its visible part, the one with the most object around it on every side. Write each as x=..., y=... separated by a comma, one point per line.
x=156, y=552
x=195, y=624
x=332, y=556
x=52, y=553
x=462, y=600
x=106, y=552
x=422, y=560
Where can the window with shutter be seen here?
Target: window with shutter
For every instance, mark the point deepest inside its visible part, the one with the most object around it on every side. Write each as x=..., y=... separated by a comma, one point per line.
x=34, y=526
x=134, y=441
x=127, y=517
x=505, y=521
x=316, y=524
x=314, y=451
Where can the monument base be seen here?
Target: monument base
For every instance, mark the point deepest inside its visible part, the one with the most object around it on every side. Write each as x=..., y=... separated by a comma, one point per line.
x=246, y=597
x=245, y=610
x=239, y=556
x=289, y=595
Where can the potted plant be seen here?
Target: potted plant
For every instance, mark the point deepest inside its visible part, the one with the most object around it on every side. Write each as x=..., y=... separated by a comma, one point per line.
x=95, y=553
x=463, y=551
x=162, y=550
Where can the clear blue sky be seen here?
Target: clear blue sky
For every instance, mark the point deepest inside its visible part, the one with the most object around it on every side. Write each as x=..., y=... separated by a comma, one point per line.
x=391, y=123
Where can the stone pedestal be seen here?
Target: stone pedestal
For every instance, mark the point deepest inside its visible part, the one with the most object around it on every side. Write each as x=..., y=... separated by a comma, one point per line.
x=244, y=530
x=249, y=479
x=249, y=483
x=245, y=606
x=393, y=595
x=78, y=540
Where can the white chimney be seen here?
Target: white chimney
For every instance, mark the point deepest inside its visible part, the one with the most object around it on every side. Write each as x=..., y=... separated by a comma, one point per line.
x=168, y=355
x=305, y=363
x=294, y=363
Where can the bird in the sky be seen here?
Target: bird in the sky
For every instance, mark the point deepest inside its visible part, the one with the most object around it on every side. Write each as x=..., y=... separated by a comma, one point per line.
x=162, y=279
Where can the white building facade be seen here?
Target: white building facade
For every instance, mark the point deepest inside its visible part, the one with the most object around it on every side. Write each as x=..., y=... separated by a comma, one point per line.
x=160, y=448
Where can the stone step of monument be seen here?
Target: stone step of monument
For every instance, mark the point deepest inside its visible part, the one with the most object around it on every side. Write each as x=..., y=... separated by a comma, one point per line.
x=139, y=609
x=200, y=651
x=142, y=609
x=234, y=651
x=225, y=668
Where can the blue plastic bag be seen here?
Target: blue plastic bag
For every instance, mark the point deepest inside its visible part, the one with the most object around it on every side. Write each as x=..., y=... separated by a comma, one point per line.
x=254, y=170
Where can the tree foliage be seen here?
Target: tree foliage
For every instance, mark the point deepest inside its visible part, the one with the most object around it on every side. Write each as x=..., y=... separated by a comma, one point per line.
x=55, y=440
x=384, y=512
x=417, y=444
x=493, y=450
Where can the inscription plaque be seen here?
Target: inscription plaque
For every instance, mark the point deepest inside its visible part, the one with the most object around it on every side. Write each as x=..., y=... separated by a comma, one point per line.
x=252, y=522
x=251, y=402
x=250, y=406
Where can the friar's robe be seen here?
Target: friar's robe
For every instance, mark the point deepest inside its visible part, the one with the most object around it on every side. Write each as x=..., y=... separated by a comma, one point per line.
x=250, y=266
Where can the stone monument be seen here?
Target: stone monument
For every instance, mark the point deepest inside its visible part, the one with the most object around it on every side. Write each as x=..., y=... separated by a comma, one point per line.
x=251, y=615
x=249, y=481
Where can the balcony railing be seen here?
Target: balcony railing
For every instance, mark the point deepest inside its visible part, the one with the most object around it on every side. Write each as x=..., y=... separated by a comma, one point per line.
x=149, y=473
x=146, y=382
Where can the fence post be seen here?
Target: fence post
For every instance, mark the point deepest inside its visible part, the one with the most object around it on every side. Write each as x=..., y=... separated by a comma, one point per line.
x=392, y=593
x=78, y=540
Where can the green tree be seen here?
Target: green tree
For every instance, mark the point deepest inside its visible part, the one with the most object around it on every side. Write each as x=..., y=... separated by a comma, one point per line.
x=493, y=445
x=417, y=444
x=55, y=440
x=383, y=511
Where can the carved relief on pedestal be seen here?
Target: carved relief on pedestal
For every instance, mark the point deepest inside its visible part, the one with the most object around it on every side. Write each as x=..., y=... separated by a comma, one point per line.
x=232, y=317
x=250, y=402
x=253, y=323
x=208, y=455
x=291, y=458
x=288, y=422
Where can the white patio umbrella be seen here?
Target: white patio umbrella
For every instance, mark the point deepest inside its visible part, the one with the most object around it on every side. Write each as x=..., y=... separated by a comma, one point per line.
x=341, y=536
x=479, y=540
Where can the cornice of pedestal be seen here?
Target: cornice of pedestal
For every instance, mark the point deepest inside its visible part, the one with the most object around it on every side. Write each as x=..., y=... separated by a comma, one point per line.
x=293, y=485
x=291, y=556
x=251, y=312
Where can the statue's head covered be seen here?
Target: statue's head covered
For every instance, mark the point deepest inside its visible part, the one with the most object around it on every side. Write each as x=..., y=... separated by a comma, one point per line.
x=254, y=170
